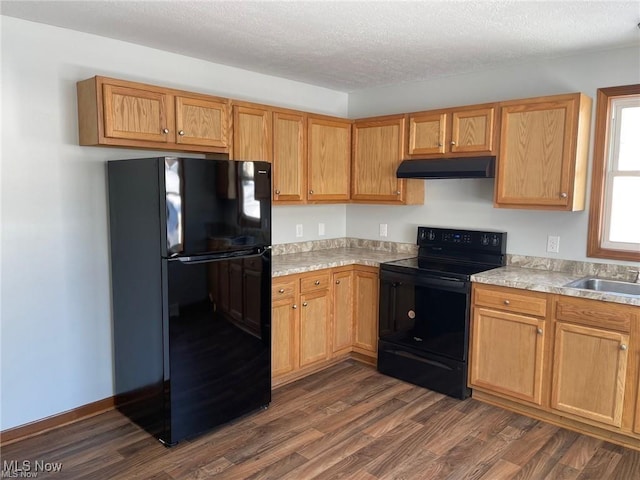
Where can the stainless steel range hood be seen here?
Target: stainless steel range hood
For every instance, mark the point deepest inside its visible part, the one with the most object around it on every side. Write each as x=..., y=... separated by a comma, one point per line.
x=463, y=167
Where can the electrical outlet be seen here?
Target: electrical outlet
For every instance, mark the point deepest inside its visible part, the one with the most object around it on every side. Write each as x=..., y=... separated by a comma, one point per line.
x=383, y=229
x=321, y=229
x=553, y=244
x=299, y=230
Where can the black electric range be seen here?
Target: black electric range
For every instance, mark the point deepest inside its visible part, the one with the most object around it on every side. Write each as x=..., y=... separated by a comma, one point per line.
x=425, y=307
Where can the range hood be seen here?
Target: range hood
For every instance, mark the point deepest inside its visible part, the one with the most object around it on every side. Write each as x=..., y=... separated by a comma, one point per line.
x=463, y=167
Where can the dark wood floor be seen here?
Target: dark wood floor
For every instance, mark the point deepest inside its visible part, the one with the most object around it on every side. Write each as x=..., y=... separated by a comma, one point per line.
x=348, y=422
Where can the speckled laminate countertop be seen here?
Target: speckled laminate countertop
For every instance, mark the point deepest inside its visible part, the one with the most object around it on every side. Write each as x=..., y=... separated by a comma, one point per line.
x=290, y=263
x=546, y=281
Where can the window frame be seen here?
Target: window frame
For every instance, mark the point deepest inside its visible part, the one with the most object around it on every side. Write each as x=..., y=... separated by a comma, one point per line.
x=597, y=211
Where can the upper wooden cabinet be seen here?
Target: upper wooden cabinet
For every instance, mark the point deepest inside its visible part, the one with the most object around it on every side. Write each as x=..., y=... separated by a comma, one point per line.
x=252, y=135
x=453, y=132
x=119, y=113
x=542, y=161
x=329, y=159
x=378, y=145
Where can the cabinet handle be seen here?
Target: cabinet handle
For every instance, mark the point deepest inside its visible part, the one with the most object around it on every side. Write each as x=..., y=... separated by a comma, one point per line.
x=165, y=130
x=337, y=282
x=294, y=306
x=507, y=302
x=305, y=304
x=452, y=142
x=539, y=331
x=310, y=192
x=563, y=195
x=181, y=133
x=317, y=282
x=281, y=290
x=623, y=347
x=277, y=192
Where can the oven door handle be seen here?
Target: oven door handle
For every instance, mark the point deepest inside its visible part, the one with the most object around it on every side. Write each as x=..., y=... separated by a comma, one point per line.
x=402, y=353
x=445, y=282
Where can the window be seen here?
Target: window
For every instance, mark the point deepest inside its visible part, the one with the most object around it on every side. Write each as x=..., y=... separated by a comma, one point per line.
x=614, y=218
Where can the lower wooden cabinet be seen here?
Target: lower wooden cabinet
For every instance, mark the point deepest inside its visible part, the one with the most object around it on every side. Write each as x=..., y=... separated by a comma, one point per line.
x=321, y=317
x=507, y=354
x=574, y=363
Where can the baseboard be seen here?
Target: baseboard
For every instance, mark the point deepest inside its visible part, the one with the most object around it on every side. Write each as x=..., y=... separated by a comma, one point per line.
x=27, y=430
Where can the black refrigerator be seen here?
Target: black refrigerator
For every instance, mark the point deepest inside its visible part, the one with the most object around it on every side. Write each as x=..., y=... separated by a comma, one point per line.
x=191, y=291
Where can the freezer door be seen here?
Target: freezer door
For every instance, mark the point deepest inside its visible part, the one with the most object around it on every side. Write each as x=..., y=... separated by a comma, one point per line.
x=215, y=205
x=219, y=332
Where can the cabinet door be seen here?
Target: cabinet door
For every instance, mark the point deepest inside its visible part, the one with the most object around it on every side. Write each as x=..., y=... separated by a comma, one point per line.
x=314, y=327
x=377, y=152
x=251, y=133
x=329, y=160
x=342, y=327
x=506, y=354
x=427, y=134
x=201, y=122
x=472, y=131
x=540, y=163
x=284, y=349
x=366, y=312
x=137, y=114
x=289, y=158
x=589, y=371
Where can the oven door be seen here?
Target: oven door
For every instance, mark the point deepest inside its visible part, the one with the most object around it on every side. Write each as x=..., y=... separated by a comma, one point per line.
x=426, y=313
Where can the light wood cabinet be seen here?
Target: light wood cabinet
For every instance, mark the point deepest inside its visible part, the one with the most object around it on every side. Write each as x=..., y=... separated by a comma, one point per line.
x=378, y=146
x=343, y=304
x=329, y=159
x=542, y=161
x=252, y=133
x=453, y=132
x=508, y=343
x=572, y=361
x=314, y=327
x=284, y=328
x=115, y=112
x=274, y=135
x=365, y=314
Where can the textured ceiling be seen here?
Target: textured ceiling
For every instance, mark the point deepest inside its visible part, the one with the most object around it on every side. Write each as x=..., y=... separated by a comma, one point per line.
x=346, y=45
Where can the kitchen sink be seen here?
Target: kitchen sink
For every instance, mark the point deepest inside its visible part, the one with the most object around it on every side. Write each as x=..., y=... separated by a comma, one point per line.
x=609, y=286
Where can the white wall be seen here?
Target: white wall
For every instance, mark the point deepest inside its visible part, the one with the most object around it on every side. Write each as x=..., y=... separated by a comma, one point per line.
x=468, y=203
x=55, y=297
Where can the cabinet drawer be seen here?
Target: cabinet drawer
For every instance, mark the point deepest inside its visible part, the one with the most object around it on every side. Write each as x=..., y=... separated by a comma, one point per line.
x=283, y=289
x=595, y=313
x=511, y=300
x=314, y=282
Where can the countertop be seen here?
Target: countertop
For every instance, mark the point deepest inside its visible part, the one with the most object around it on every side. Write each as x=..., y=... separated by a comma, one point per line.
x=291, y=263
x=546, y=281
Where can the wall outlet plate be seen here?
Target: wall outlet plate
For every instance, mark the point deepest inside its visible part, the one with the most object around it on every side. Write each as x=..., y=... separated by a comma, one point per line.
x=553, y=244
x=383, y=229
x=299, y=230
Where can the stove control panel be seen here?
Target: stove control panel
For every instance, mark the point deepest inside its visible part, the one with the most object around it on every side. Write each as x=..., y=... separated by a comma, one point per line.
x=478, y=240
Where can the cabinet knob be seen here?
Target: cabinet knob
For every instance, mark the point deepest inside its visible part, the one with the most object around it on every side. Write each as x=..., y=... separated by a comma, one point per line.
x=294, y=306
x=539, y=331
x=337, y=282
x=317, y=282
x=181, y=133
x=281, y=290
x=305, y=304
x=507, y=302
x=439, y=144
x=310, y=192
x=623, y=347
x=277, y=192
x=563, y=195
x=452, y=142
x=165, y=130
x=397, y=192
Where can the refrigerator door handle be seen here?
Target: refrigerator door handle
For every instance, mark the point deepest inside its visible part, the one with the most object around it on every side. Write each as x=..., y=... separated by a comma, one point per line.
x=253, y=252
